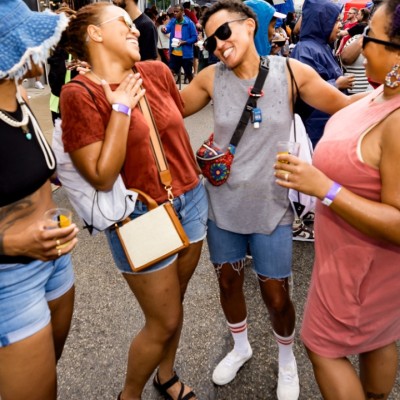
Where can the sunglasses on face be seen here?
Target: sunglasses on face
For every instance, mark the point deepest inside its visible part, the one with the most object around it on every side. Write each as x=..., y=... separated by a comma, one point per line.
x=222, y=33
x=367, y=38
x=125, y=18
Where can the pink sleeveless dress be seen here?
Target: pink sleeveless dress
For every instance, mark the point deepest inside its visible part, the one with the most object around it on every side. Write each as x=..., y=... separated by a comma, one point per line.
x=353, y=304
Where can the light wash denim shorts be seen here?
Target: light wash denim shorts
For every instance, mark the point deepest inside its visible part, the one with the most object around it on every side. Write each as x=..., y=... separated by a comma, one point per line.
x=192, y=209
x=272, y=254
x=25, y=290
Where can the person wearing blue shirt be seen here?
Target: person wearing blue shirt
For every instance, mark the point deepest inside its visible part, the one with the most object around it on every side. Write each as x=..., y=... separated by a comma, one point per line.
x=319, y=28
x=183, y=35
x=267, y=17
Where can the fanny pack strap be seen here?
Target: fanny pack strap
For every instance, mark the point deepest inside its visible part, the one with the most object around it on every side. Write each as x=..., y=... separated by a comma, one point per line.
x=255, y=94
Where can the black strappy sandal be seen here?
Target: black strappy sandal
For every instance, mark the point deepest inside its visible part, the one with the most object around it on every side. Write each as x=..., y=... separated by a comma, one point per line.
x=162, y=388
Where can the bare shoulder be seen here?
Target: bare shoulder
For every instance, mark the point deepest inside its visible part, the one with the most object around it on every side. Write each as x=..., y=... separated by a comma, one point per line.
x=302, y=72
x=390, y=131
x=205, y=79
x=199, y=92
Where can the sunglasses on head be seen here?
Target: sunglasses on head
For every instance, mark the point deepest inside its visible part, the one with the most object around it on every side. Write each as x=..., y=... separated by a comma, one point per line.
x=222, y=33
x=367, y=39
x=125, y=18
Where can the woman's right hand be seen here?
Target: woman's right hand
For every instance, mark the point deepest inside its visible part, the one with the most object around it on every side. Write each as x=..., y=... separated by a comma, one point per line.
x=40, y=243
x=128, y=93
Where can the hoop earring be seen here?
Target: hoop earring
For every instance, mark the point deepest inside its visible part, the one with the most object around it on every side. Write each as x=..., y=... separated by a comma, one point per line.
x=392, y=79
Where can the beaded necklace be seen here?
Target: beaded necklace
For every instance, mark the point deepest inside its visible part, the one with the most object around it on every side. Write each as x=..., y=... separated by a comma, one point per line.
x=23, y=124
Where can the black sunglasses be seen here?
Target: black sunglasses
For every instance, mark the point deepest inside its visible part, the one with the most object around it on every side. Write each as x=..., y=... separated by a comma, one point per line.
x=222, y=33
x=367, y=39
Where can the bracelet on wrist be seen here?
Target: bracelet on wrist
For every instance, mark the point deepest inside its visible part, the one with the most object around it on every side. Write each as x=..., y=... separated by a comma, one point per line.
x=122, y=108
x=332, y=193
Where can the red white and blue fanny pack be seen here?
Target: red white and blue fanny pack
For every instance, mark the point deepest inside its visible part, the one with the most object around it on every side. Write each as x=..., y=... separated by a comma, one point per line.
x=215, y=163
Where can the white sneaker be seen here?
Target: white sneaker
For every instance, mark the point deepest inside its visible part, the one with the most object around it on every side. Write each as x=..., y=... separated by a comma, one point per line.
x=288, y=382
x=39, y=85
x=229, y=366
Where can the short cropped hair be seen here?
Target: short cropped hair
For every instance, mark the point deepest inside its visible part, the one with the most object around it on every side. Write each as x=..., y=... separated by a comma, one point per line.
x=234, y=6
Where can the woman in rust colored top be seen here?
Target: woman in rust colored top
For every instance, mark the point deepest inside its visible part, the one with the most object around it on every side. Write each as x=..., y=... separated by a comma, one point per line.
x=108, y=135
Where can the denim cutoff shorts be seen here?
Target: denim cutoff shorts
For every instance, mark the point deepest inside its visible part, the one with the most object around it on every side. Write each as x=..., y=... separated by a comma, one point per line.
x=272, y=254
x=25, y=290
x=192, y=209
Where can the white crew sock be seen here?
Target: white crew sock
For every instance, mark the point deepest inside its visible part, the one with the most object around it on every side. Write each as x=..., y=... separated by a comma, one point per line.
x=285, y=345
x=239, y=334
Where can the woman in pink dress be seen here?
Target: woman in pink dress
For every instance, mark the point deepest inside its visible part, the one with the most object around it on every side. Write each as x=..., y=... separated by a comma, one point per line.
x=353, y=305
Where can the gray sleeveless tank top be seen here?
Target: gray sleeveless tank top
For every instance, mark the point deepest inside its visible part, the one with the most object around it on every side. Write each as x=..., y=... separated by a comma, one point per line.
x=250, y=201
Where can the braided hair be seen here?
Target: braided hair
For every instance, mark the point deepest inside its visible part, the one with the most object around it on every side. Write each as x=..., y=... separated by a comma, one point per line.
x=74, y=38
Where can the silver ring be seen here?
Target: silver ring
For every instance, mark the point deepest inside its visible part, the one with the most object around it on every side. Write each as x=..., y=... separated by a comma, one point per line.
x=287, y=177
x=59, y=252
x=58, y=242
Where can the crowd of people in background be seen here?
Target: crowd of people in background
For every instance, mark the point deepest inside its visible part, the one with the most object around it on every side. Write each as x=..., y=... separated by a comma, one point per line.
x=342, y=76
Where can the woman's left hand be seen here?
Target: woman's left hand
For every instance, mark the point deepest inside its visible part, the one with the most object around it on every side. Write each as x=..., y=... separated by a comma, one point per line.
x=293, y=173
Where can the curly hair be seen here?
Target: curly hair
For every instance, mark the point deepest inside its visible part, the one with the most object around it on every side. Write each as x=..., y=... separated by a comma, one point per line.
x=234, y=6
x=393, y=12
x=74, y=38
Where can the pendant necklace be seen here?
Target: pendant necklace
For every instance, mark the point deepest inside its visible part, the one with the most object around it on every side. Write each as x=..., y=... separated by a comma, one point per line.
x=23, y=124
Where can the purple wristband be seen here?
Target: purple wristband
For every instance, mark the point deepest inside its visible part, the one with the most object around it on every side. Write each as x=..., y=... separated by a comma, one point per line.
x=122, y=108
x=333, y=192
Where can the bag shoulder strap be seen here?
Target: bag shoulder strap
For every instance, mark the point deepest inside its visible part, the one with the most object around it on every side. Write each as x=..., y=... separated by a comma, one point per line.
x=157, y=147
x=255, y=94
x=293, y=84
x=80, y=83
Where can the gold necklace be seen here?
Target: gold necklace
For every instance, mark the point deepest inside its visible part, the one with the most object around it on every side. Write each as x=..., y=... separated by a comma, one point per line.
x=96, y=76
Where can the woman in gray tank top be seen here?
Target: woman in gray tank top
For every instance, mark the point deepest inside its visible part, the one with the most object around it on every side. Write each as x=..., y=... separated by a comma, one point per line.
x=250, y=209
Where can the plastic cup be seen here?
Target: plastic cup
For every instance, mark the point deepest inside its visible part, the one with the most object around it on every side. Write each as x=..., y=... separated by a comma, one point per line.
x=58, y=218
x=288, y=147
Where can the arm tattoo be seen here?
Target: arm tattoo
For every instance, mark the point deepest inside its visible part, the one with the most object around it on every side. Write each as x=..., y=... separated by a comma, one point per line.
x=12, y=213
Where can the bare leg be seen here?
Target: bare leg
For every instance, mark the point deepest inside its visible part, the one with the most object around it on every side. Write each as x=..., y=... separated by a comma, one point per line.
x=187, y=263
x=336, y=378
x=33, y=360
x=28, y=368
x=378, y=370
x=61, y=315
x=275, y=293
x=160, y=296
x=231, y=278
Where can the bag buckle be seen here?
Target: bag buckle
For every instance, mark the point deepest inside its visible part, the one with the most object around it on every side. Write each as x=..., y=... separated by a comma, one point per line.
x=170, y=194
x=250, y=92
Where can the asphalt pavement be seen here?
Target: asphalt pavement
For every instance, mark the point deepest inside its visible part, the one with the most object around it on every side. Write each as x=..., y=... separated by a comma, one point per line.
x=107, y=316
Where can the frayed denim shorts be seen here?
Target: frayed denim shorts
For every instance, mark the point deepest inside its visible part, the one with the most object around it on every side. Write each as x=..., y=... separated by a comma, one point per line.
x=272, y=254
x=25, y=290
x=192, y=209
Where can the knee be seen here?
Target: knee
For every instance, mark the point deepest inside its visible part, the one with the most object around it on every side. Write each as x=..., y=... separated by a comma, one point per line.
x=227, y=285
x=164, y=329
x=279, y=304
x=230, y=277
